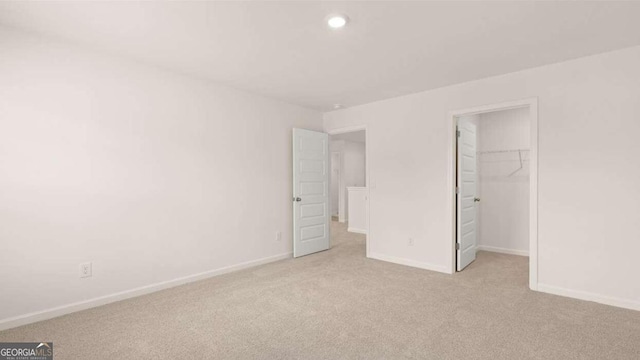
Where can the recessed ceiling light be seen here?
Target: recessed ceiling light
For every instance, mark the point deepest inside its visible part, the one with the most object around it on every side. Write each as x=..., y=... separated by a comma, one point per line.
x=337, y=106
x=337, y=21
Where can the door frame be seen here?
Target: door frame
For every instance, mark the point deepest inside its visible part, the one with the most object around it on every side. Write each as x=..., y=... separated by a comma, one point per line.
x=452, y=119
x=348, y=129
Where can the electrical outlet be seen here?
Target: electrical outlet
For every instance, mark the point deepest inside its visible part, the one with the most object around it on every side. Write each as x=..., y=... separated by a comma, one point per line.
x=279, y=236
x=85, y=270
x=410, y=242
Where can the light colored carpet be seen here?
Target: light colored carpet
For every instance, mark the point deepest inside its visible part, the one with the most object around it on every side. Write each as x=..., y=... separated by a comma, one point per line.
x=339, y=305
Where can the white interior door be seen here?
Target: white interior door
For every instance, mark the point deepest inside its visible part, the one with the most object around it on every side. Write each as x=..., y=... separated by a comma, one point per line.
x=466, y=195
x=310, y=192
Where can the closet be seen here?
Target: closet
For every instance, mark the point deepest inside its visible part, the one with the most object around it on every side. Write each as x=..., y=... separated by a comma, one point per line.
x=494, y=183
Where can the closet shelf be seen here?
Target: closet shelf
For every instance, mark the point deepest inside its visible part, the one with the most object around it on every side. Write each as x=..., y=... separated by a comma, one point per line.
x=520, y=159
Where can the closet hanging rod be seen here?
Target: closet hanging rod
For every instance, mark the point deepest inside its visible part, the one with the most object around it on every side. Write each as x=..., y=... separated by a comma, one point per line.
x=501, y=151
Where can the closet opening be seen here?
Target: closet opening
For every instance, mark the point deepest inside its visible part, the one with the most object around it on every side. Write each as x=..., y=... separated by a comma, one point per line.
x=495, y=189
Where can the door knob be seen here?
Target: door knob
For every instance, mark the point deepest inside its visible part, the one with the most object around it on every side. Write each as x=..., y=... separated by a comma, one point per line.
x=476, y=199
x=297, y=199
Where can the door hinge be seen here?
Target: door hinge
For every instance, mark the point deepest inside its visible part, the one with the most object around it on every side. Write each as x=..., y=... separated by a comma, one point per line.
x=458, y=133
x=457, y=246
x=457, y=190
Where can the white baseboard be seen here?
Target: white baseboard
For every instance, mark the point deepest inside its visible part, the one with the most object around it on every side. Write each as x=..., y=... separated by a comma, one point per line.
x=408, y=262
x=588, y=296
x=356, y=230
x=502, y=250
x=127, y=294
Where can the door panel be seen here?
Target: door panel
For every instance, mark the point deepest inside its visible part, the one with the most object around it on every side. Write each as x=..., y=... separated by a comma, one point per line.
x=466, y=203
x=310, y=192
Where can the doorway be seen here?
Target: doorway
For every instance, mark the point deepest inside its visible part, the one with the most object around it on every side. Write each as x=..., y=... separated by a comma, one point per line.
x=494, y=183
x=349, y=191
x=348, y=172
x=330, y=193
x=348, y=180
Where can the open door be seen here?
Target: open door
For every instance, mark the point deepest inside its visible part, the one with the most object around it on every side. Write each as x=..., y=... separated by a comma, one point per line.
x=311, y=212
x=466, y=195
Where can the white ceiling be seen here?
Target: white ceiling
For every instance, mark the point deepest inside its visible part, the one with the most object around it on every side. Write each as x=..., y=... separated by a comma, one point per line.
x=285, y=50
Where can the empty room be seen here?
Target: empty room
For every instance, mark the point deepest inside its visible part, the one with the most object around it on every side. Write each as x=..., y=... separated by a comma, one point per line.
x=319, y=180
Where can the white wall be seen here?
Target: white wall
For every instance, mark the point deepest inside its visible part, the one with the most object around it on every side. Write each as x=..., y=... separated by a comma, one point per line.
x=150, y=175
x=337, y=147
x=589, y=117
x=352, y=155
x=357, y=200
x=504, y=206
x=354, y=162
x=336, y=170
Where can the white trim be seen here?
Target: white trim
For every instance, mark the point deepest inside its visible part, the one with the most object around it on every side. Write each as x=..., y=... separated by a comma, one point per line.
x=533, y=195
x=589, y=296
x=502, y=250
x=367, y=153
x=127, y=294
x=408, y=262
x=356, y=230
x=532, y=104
